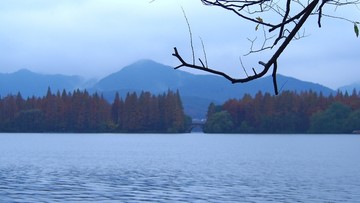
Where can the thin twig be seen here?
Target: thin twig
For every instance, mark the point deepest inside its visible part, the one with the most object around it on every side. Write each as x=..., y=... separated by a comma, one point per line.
x=190, y=33
x=242, y=65
x=203, y=47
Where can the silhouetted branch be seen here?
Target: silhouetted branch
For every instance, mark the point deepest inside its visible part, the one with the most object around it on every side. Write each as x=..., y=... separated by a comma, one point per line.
x=302, y=16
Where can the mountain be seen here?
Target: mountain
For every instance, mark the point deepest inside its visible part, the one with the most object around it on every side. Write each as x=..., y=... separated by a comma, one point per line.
x=197, y=91
x=350, y=88
x=144, y=75
x=33, y=84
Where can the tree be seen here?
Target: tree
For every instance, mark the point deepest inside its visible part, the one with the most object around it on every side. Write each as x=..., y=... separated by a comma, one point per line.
x=288, y=112
x=212, y=109
x=131, y=113
x=278, y=30
x=30, y=121
x=219, y=122
x=116, y=109
x=83, y=113
x=333, y=120
x=353, y=121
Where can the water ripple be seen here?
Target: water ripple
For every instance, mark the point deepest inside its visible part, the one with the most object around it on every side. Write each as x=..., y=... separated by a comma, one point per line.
x=174, y=174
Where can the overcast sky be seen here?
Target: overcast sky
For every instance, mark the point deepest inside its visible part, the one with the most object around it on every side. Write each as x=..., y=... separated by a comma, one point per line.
x=94, y=38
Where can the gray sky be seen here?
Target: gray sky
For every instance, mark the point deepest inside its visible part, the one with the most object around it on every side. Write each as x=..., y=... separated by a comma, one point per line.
x=94, y=38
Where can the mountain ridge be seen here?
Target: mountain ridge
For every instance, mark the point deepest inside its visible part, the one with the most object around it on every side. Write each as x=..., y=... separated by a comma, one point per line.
x=350, y=88
x=197, y=91
x=29, y=83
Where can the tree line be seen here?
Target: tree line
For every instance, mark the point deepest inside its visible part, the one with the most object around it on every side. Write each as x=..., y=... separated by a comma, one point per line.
x=289, y=112
x=82, y=112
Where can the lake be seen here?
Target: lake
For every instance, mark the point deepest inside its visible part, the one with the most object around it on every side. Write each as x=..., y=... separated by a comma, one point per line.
x=179, y=168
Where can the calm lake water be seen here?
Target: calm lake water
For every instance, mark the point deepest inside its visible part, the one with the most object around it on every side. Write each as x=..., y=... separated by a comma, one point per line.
x=179, y=168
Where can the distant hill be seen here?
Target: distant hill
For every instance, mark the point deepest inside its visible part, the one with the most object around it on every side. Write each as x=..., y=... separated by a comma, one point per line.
x=144, y=75
x=350, y=88
x=197, y=91
x=33, y=84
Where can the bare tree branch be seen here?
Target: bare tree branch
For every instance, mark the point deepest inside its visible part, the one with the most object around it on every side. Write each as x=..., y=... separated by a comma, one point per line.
x=292, y=20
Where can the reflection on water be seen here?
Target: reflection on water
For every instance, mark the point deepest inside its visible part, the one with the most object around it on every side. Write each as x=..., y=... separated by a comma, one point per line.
x=179, y=168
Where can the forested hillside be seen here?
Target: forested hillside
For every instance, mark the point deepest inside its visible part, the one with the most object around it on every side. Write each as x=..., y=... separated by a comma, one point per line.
x=81, y=112
x=290, y=112
x=197, y=91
